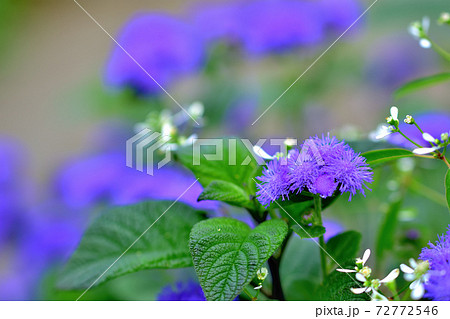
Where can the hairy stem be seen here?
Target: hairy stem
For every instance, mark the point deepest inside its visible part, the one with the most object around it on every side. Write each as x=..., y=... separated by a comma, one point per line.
x=318, y=221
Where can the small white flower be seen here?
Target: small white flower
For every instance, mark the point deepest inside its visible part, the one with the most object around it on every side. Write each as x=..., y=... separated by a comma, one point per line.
x=409, y=119
x=394, y=113
x=391, y=276
x=427, y=137
x=419, y=30
x=262, y=273
x=381, y=132
x=360, y=262
x=418, y=274
x=425, y=150
x=444, y=18
x=196, y=109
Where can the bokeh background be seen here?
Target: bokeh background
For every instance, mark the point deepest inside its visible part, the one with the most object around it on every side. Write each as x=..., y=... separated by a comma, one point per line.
x=62, y=128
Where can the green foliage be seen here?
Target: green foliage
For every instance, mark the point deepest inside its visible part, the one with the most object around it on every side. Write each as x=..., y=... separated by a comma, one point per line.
x=309, y=231
x=386, y=235
x=421, y=83
x=112, y=233
x=236, y=166
x=337, y=287
x=344, y=247
x=227, y=192
x=227, y=253
x=380, y=157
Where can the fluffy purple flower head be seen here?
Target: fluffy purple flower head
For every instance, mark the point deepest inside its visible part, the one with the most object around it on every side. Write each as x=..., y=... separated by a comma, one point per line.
x=303, y=171
x=275, y=182
x=165, y=47
x=434, y=123
x=183, y=291
x=438, y=255
x=323, y=166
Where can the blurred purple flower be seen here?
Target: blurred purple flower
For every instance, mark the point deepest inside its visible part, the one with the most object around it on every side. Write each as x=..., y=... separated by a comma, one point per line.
x=182, y=291
x=395, y=60
x=105, y=177
x=434, y=123
x=165, y=47
x=86, y=181
x=167, y=183
x=277, y=26
x=438, y=255
x=218, y=21
x=13, y=197
x=340, y=14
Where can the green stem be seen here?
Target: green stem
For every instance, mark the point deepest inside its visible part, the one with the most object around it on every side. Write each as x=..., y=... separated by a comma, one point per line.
x=318, y=221
x=443, y=53
x=419, y=146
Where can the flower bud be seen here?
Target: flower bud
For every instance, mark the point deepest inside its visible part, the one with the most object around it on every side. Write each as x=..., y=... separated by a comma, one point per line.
x=444, y=18
x=409, y=119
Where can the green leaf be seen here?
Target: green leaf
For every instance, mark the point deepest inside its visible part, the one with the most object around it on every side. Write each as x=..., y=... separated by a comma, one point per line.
x=163, y=246
x=236, y=165
x=380, y=157
x=228, y=193
x=421, y=83
x=227, y=253
x=309, y=231
x=447, y=187
x=344, y=247
x=338, y=284
x=386, y=235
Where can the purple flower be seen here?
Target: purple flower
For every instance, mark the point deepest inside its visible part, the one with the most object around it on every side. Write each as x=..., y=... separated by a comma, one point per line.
x=276, y=26
x=219, y=21
x=340, y=14
x=303, y=171
x=274, y=182
x=438, y=255
x=182, y=291
x=165, y=47
x=434, y=123
x=350, y=171
x=167, y=183
x=321, y=167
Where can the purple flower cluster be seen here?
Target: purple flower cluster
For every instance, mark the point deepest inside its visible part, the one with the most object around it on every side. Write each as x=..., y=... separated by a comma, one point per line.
x=322, y=166
x=164, y=46
x=438, y=255
x=267, y=26
x=168, y=48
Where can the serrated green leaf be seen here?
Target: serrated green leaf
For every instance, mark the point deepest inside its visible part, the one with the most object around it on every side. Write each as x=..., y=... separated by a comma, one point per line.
x=421, y=83
x=380, y=157
x=344, y=246
x=227, y=253
x=228, y=193
x=447, y=187
x=309, y=231
x=163, y=246
x=386, y=234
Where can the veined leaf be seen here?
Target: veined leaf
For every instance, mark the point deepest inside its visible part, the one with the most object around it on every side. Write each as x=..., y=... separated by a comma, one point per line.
x=228, y=193
x=163, y=246
x=379, y=157
x=227, y=253
x=421, y=84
